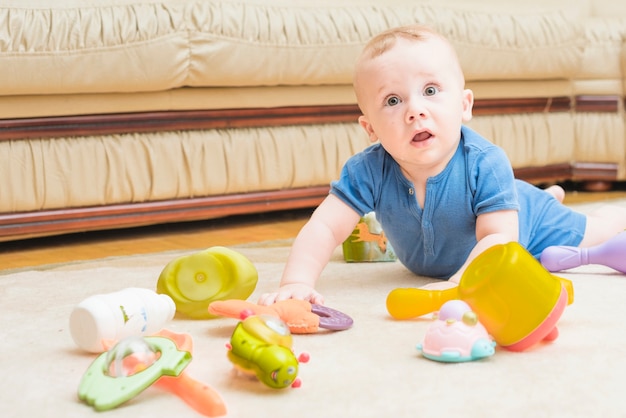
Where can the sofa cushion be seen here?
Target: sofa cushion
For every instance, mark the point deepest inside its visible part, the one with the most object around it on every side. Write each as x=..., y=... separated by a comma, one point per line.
x=76, y=46
x=70, y=172
x=184, y=98
x=601, y=69
x=513, y=40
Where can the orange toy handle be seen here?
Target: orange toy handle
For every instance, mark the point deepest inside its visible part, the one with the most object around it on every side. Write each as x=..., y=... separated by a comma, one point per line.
x=197, y=395
x=406, y=303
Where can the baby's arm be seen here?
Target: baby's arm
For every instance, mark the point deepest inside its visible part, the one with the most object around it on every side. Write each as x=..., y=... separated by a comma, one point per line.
x=331, y=223
x=492, y=228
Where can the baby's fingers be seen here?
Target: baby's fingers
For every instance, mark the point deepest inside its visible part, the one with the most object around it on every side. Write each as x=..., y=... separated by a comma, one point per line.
x=316, y=298
x=296, y=291
x=267, y=299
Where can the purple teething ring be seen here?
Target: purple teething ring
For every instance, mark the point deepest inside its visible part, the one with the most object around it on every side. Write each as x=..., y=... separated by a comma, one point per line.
x=331, y=319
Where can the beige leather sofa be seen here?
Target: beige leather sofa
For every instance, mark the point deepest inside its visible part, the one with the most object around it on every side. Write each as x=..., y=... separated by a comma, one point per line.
x=126, y=112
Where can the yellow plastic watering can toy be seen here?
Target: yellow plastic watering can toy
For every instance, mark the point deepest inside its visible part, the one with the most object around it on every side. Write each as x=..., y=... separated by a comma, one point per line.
x=516, y=298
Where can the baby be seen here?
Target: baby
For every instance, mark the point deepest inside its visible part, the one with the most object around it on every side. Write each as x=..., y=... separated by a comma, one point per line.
x=442, y=193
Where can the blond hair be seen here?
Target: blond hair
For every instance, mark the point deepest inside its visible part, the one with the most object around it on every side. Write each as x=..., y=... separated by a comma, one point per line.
x=384, y=41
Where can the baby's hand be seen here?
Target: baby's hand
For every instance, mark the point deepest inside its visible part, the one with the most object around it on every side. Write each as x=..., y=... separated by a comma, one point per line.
x=292, y=291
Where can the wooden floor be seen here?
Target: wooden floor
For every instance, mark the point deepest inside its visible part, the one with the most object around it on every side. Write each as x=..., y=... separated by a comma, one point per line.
x=151, y=239
x=183, y=236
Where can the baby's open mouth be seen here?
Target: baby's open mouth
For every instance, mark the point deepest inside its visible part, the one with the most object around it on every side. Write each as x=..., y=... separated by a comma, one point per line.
x=422, y=136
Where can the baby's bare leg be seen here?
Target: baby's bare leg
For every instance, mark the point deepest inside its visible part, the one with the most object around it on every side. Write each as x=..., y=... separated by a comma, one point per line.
x=604, y=223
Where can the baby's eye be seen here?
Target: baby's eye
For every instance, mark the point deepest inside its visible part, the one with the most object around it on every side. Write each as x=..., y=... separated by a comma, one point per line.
x=430, y=91
x=392, y=101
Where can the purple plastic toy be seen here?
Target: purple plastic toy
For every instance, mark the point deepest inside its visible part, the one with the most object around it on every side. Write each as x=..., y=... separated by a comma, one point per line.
x=611, y=253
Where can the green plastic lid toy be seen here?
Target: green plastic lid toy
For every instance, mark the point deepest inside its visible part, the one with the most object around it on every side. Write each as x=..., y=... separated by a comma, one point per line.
x=217, y=273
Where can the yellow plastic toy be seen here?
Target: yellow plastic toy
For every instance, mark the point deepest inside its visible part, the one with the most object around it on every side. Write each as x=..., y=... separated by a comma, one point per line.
x=261, y=345
x=517, y=299
x=217, y=273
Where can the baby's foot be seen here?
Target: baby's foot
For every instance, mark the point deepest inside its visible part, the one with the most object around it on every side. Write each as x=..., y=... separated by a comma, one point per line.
x=557, y=192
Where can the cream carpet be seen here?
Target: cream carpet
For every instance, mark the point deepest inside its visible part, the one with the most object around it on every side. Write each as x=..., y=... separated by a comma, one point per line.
x=370, y=370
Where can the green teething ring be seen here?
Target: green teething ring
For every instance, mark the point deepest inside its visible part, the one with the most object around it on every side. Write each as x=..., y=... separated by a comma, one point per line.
x=102, y=391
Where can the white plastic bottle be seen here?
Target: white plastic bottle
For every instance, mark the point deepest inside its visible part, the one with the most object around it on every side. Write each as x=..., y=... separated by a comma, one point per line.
x=115, y=316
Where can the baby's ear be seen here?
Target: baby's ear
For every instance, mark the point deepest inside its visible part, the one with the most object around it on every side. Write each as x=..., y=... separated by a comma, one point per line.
x=368, y=128
x=468, y=104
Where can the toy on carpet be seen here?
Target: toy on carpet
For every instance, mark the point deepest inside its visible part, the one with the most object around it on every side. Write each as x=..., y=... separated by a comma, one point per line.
x=410, y=302
x=118, y=315
x=368, y=242
x=611, y=253
x=108, y=382
x=301, y=317
x=261, y=345
x=128, y=369
x=518, y=301
x=217, y=273
x=456, y=335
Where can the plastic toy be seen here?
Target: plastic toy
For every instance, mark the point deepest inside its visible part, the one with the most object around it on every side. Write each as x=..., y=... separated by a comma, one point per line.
x=261, y=346
x=611, y=253
x=301, y=317
x=409, y=302
x=128, y=369
x=217, y=273
x=456, y=335
x=118, y=315
x=199, y=396
x=368, y=242
x=518, y=301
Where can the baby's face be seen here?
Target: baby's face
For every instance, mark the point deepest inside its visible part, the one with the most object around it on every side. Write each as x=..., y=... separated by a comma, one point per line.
x=413, y=101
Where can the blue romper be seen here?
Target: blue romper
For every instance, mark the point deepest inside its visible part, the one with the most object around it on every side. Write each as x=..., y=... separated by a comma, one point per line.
x=436, y=240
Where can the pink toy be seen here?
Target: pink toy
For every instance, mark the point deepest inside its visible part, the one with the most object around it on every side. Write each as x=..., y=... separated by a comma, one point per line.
x=453, y=309
x=611, y=253
x=456, y=335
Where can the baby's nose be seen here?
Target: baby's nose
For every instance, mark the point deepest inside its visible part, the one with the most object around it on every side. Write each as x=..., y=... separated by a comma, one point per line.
x=415, y=110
